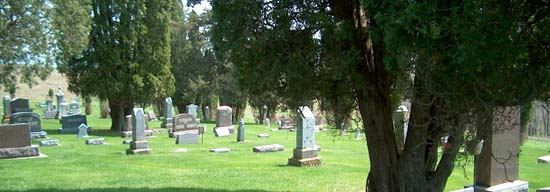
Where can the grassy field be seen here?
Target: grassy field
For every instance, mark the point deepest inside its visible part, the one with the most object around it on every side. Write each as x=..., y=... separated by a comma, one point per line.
x=74, y=166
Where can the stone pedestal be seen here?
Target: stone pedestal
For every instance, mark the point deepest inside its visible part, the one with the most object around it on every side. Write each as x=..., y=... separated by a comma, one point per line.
x=139, y=147
x=515, y=186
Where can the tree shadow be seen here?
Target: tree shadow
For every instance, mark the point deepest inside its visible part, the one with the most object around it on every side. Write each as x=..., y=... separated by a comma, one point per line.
x=138, y=190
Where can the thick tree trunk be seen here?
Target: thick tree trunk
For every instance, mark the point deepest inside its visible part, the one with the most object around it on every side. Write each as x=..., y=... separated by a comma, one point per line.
x=119, y=109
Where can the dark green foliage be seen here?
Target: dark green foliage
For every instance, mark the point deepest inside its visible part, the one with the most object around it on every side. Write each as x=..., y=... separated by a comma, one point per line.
x=24, y=41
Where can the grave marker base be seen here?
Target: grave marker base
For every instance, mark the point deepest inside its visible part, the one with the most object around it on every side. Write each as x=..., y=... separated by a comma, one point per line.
x=8, y=153
x=309, y=162
x=138, y=151
x=71, y=130
x=514, y=186
x=39, y=135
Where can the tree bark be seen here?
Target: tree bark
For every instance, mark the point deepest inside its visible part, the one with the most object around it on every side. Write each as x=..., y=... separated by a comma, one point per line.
x=119, y=109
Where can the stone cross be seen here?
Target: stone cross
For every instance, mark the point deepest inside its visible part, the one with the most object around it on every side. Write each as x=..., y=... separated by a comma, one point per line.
x=305, y=153
x=138, y=145
x=240, y=131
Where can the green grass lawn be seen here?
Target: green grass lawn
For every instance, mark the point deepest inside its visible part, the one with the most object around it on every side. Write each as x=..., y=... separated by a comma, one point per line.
x=74, y=166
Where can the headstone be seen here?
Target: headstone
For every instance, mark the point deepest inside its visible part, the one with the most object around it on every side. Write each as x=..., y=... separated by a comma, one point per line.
x=48, y=143
x=59, y=97
x=357, y=134
x=63, y=110
x=96, y=141
x=207, y=113
x=70, y=123
x=192, y=110
x=544, y=159
x=167, y=121
x=33, y=119
x=220, y=150
x=74, y=108
x=138, y=145
x=286, y=124
x=152, y=116
x=305, y=153
x=268, y=148
x=399, y=126
x=127, y=131
x=498, y=162
x=267, y=122
x=221, y=132
x=183, y=123
x=182, y=150
x=263, y=135
x=49, y=104
x=264, y=112
x=240, y=131
x=82, y=131
x=546, y=189
x=15, y=141
x=18, y=105
x=224, y=118
x=49, y=112
x=7, y=112
x=187, y=138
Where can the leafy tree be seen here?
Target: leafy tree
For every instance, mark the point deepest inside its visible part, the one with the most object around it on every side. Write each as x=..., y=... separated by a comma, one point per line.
x=24, y=41
x=128, y=57
x=453, y=60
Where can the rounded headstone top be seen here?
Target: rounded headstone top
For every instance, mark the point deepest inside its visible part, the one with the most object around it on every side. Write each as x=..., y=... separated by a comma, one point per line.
x=224, y=108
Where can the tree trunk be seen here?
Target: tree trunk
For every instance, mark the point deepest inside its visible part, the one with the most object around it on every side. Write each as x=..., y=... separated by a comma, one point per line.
x=525, y=117
x=88, y=108
x=119, y=109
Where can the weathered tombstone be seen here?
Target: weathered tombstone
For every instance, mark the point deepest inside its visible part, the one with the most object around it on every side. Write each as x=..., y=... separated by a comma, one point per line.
x=399, y=126
x=497, y=164
x=220, y=150
x=264, y=112
x=15, y=141
x=192, y=110
x=224, y=119
x=74, y=108
x=357, y=134
x=152, y=116
x=127, y=131
x=207, y=113
x=49, y=104
x=82, y=131
x=167, y=121
x=138, y=145
x=7, y=112
x=185, y=129
x=59, y=96
x=96, y=141
x=48, y=143
x=70, y=123
x=263, y=135
x=221, y=132
x=33, y=119
x=63, y=110
x=240, y=131
x=544, y=159
x=286, y=124
x=305, y=153
x=49, y=112
x=19, y=105
x=267, y=122
x=268, y=148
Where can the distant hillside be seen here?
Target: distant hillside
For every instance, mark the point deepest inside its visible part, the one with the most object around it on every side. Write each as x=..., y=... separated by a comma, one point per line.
x=40, y=91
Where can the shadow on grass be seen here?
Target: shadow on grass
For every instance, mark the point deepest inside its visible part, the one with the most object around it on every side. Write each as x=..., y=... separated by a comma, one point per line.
x=137, y=190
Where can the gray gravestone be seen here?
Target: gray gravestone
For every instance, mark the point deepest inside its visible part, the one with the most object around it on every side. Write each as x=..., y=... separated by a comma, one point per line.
x=263, y=135
x=70, y=123
x=63, y=110
x=240, y=131
x=167, y=121
x=267, y=122
x=96, y=141
x=138, y=145
x=264, y=114
x=127, y=131
x=221, y=132
x=305, y=153
x=48, y=143
x=185, y=125
x=498, y=162
x=187, y=138
x=49, y=104
x=15, y=141
x=7, y=112
x=18, y=105
x=82, y=131
x=357, y=134
x=74, y=108
x=268, y=148
x=192, y=110
x=59, y=97
x=224, y=118
x=152, y=116
x=207, y=113
x=220, y=150
x=286, y=124
x=33, y=119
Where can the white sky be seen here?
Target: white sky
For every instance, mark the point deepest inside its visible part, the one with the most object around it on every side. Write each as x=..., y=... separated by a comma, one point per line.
x=199, y=8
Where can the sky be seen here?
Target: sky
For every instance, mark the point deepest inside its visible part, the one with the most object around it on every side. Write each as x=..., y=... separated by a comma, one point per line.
x=200, y=8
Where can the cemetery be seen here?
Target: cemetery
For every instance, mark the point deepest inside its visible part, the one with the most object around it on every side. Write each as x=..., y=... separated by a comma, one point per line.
x=263, y=95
